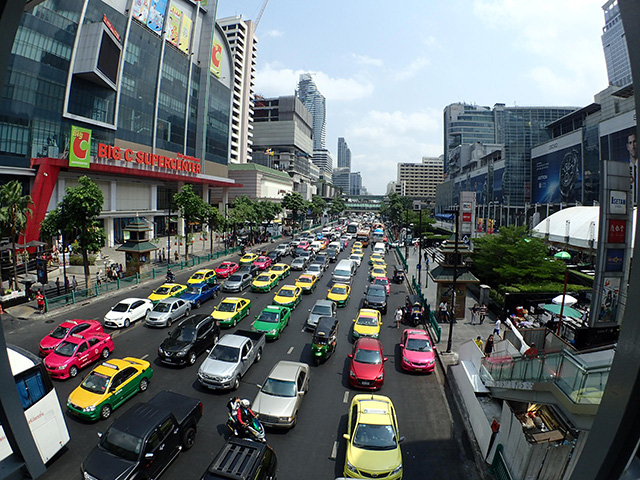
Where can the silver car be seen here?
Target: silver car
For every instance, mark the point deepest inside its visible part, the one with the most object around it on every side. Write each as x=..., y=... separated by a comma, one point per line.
x=280, y=396
x=166, y=311
x=322, y=308
x=299, y=263
x=315, y=269
x=237, y=282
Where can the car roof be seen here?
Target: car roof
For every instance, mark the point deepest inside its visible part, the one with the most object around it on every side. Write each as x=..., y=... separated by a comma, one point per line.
x=127, y=300
x=375, y=286
x=169, y=300
x=324, y=302
x=271, y=308
x=374, y=409
x=107, y=367
x=368, y=312
x=139, y=419
x=368, y=343
x=288, y=287
x=286, y=370
x=417, y=333
x=231, y=300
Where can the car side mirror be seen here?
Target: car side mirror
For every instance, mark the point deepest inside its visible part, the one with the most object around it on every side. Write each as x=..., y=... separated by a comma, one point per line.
x=259, y=386
x=346, y=436
x=255, y=316
x=401, y=439
x=301, y=392
x=350, y=355
x=433, y=347
x=246, y=357
x=148, y=456
x=385, y=359
x=402, y=345
x=99, y=434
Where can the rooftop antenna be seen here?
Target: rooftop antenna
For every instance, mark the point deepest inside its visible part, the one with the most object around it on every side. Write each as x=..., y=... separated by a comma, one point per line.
x=259, y=16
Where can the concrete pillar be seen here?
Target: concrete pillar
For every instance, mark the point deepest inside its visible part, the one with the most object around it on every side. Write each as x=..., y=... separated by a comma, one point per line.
x=114, y=195
x=110, y=231
x=225, y=200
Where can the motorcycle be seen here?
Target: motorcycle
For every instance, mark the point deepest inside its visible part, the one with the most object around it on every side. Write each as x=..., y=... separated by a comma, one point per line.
x=253, y=429
x=170, y=278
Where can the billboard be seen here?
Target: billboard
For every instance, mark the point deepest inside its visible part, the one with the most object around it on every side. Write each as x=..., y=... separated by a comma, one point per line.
x=215, y=67
x=621, y=146
x=175, y=15
x=141, y=10
x=498, y=178
x=185, y=34
x=80, y=148
x=157, y=11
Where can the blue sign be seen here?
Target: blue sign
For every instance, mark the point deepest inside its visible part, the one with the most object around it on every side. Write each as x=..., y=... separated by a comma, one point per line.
x=615, y=260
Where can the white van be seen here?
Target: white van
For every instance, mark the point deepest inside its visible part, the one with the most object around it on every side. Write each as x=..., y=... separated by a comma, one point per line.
x=379, y=248
x=344, y=271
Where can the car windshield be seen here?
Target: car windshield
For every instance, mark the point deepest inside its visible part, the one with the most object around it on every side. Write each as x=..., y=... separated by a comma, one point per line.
x=60, y=332
x=235, y=278
x=305, y=280
x=197, y=276
x=339, y=290
x=227, y=307
x=96, y=383
x=192, y=291
x=298, y=261
x=224, y=266
x=367, y=321
x=121, y=444
x=286, y=292
x=322, y=310
x=121, y=307
x=418, y=345
x=279, y=388
x=224, y=353
x=381, y=281
x=186, y=334
x=161, y=291
x=269, y=317
x=66, y=349
x=263, y=278
x=277, y=268
x=376, y=292
x=320, y=339
x=261, y=259
x=314, y=268
x=162, y=307
x=372, y=357
x=374, y=437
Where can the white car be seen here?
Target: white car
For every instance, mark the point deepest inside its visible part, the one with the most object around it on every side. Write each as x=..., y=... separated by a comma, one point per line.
x=356, y=258
x=127, y=311
x=315, y=269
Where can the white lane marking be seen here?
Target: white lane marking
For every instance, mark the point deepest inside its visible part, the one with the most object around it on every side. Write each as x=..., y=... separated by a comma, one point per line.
x=334, y=451
x=345, y=399
x=289, y=351
x=142, y=358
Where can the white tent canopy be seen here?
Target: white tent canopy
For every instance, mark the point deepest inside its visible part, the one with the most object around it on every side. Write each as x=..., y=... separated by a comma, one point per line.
x=574, y=226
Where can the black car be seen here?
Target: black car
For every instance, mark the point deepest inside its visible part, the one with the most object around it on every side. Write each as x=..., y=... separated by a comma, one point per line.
x=323, y=259
x=249, y=268
x=375, y=296
x=275, y=255
x=192, y=337
x=332, y=254
x=243, y=459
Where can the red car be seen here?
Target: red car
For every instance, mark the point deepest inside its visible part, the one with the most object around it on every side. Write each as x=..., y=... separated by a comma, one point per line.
x=367, y=364
x=76, y=352
x=418, y=353
x=383, y=281
x=263, y=263
x=226, y=268
x=304, y=245
x=65, y=329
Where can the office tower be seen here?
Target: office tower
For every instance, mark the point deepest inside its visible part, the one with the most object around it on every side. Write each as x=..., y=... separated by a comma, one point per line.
x=419, y=180
x=356, y=187
x=344, y=154
x=342, y=179
x=315, y=102
x=616, y=54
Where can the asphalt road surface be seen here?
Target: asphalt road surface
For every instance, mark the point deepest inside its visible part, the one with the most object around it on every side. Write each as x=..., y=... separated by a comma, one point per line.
x=436, y=444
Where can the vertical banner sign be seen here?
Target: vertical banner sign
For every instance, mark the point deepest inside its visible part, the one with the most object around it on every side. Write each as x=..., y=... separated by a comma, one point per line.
x=185, y=34
x=609, y=300
x=174, y=24
x=157, y=11
x=141, y=10
x=216, y=58
x=80, y=148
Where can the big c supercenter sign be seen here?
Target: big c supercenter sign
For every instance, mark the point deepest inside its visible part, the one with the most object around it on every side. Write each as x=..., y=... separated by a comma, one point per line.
x=80, y=151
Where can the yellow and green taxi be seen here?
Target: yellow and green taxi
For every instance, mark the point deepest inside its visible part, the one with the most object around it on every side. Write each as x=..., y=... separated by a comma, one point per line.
x=231, y=310
x=167, y=290
x=373, y=449
x=339, y=293
x=288, y=296
x=265, y=282
x=203, y=276
x=357, y=250
x=378, y=262
x=367, y=324
x=248, y=258
x=307, y=282
x=272, y=321
x=375, y=256
x=108, y=386
x=377, y=272
x=357, y=245
x=282, y=269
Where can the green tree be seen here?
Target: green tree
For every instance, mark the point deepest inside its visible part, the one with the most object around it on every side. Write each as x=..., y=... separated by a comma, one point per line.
x=214, y=220
x=337, y=206
x=317, y=206
x=397, y=208
x=15, y=210
x=512, y=257
x=293, y=201
x=267, y=211
x=192, y=210
x=76, y=217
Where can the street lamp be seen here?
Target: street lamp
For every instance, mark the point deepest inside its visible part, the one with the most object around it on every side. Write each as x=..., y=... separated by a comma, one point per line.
x=455, y=278
x=565, y=256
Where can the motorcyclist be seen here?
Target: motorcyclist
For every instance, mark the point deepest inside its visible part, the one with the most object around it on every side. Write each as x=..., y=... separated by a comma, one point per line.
x=170, y=276
x=244, y=413
x=233, y=405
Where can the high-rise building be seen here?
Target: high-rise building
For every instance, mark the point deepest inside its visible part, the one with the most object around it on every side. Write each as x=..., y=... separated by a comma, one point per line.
x=341, y=179
x=344, y=154
x=315, y=102
x=465, y=123
x=419, y=180
x=355, y=181
x=616, y=54
x=243, y=44
x=323, y=160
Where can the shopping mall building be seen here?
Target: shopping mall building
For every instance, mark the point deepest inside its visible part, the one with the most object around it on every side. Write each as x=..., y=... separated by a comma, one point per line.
x=134, y=93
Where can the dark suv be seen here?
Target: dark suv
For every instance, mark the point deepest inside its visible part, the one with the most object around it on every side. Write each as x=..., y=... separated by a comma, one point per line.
x=192, y=337
x=375, y=296
x=243, y=460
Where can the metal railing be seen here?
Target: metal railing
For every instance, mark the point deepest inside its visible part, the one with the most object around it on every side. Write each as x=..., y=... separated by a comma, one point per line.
x=429, y=316
x=402, y=259
x=499, y=467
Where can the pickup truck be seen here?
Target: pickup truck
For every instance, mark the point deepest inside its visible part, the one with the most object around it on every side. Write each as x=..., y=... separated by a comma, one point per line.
x=146, y=439
x=199, y=293
x=230, y=359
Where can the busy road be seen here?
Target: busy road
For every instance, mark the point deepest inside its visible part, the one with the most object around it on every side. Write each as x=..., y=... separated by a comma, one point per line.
x=435, y=443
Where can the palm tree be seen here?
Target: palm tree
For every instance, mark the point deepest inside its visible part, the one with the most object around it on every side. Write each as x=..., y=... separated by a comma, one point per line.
x=15, y=210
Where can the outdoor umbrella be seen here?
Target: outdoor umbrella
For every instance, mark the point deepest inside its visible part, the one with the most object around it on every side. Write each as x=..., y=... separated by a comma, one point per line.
x=34, y=243
x=563, y=256
x=9, y=246
x=566, y=311
x=568, y=300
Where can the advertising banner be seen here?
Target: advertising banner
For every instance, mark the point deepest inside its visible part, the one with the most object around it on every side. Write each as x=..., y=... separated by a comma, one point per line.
x=216, y=58
x=617, y=231
x=498, y=177
x=157, y=11
x=557, y=174
x=175, y=15
x=80, y=148
x=609, y=300
x=141, y=10
x=185, y=34
x=614, y=260
x=621, y=146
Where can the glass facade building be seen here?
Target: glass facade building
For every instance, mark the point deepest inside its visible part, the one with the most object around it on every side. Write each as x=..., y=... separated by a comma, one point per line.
x=614, y=44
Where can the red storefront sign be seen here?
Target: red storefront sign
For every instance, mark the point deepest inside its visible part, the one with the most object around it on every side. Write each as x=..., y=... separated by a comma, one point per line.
x=182, y=163
x=617, y=231
x=466, y=216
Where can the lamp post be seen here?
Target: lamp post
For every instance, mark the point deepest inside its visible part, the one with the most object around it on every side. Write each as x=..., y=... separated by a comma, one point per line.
x=563, y=256
x=420, y=248
x=406, y=234
x=455, y=278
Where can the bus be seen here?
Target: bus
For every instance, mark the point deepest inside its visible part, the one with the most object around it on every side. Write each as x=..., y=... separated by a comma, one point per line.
x=364, y=236
x=40, y=403
x=353, y=228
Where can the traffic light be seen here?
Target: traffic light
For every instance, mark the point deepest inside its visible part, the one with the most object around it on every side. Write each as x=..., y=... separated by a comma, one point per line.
x=41, y=271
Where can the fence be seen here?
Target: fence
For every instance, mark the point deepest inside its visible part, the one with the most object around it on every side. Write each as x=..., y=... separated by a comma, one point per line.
x=428, y=313
x=402, y=259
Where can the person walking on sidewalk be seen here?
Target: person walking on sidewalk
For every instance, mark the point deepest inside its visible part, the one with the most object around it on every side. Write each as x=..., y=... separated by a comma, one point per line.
x=488, y=346
x=479, y=342
x=58, y=286
x=40, y=301
x=398, y=316
x=74, y=283
x=474, y=313
x=444, y=311
x=483, y=313
x=496, y=328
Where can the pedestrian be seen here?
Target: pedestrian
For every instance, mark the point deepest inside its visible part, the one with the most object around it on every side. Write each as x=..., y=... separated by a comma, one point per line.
x=531, y=352
x=433, y=256
x=399, y=315
x=58, y=286
x=176, y=255
x=496, y=328
x=66, y=284
x=444, y=311
x=74, y=283
x=483, y=313
x=488, y=346
x=479, y=342
x=426, y=257
x=474, y=313
x=40, y=301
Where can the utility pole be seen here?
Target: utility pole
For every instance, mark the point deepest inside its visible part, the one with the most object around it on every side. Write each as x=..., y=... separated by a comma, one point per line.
x=455, y=278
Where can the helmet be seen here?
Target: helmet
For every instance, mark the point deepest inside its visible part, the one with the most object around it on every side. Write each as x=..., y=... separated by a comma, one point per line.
x=245, y=403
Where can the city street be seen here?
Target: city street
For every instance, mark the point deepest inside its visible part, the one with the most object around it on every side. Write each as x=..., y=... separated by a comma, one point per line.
x=436, y=443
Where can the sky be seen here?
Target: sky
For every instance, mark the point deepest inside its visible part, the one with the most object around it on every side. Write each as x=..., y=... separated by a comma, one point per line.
x=388, y=69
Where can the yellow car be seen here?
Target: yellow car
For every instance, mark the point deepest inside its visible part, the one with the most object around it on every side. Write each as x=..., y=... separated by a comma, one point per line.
x=108, y=386
x=265, y=282
x=376, y=262
x=231, y=310
x=307, y=282
x=248, y=258
x=167, y=290
x=282, y=269
x=203, y=276
x=377, y=272
x=373, y=449
x=339, y=293
x=374, y=257
x=356, y=245
x=357, y=250
x=288, y=296
x=367, y=324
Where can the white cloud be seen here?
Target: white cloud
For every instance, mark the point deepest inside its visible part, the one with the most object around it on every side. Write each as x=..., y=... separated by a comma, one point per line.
x=412, y=69
x=275, y=81
x=274, y=33
x=365, y=60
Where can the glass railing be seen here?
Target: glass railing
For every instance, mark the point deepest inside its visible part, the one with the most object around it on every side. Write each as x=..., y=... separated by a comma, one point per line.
x=582, y=384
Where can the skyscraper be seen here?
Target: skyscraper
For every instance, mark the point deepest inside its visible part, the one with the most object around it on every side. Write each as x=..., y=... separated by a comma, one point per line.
x=344, y=154
x=315, y=102
x=419, y=180
x=615, y=46
x=355, y=184
x=341, y=179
